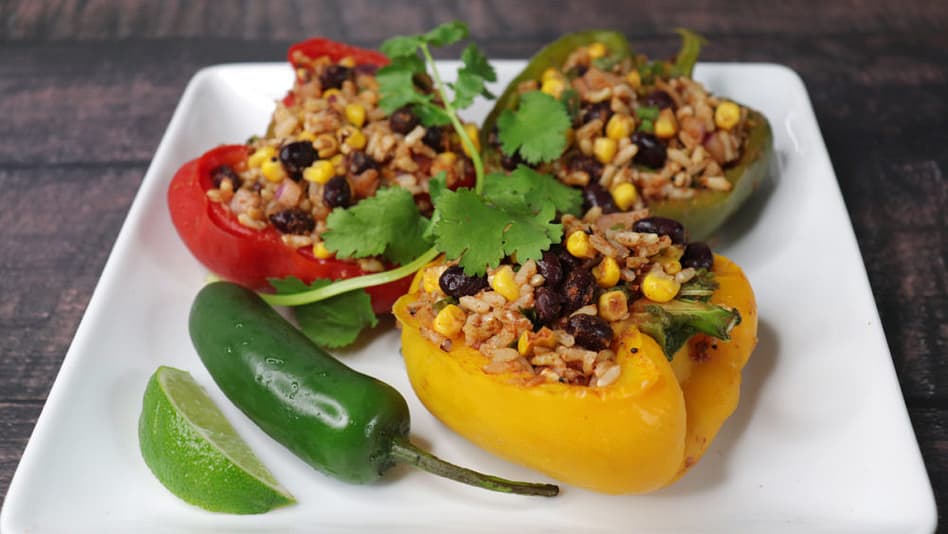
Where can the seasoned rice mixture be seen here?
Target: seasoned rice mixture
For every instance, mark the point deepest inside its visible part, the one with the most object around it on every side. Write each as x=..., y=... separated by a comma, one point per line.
x=638, y=137
x=329, y=145
x=554, y=320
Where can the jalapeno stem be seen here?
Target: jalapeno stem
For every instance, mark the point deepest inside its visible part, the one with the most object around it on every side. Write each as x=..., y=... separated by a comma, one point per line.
x=407, y=452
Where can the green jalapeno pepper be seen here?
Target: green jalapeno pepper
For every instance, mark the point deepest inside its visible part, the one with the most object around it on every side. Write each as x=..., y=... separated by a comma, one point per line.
x=707, y=209
x=342, y=422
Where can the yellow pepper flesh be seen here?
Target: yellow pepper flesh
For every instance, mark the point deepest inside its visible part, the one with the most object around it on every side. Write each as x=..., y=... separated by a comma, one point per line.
x=635, y=435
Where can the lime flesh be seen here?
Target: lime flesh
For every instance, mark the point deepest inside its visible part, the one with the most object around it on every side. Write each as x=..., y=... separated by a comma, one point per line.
x=194, y=451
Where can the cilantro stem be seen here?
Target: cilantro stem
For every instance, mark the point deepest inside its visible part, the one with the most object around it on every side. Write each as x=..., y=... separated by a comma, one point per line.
x=350, y=284
x=458, y=127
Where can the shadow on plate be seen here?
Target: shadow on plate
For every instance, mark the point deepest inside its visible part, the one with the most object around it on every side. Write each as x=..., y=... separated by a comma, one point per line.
x=711, y=471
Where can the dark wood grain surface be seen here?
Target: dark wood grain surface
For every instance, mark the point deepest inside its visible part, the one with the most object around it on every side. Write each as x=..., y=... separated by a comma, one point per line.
x=87, y=88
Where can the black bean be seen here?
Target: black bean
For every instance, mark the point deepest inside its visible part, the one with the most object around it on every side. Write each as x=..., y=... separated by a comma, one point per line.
x=589, y=331
x=579, y=289
x=358, y=162
x=549, y=266
x=293, y=221
x=402, y=120
x=297, y=156
x=587, y=164
x=434, y=137
x=596, y=195
x=599, y=110
x=659, y=99
x=547, y=304
x=334, y=76
x=337, y=193
x=224, y=171
x=577, y=71
x=567, y=260
x=661, y=226
x=652, y=152
x=697, y=255
x=455, y=283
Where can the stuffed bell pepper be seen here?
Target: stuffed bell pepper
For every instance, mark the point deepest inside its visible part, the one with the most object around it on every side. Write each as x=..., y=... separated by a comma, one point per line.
x=609, y=363
x=643, y=133
x=259, y=211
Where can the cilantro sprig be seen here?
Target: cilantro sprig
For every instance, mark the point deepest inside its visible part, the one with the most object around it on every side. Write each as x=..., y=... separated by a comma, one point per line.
x=514, y=215
x=398, y=88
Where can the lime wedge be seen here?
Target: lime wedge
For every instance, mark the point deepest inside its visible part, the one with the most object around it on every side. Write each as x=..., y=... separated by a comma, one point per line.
x=193, y=450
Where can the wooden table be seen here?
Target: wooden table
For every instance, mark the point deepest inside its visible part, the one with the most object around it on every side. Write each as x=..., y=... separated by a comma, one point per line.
x=87, y=89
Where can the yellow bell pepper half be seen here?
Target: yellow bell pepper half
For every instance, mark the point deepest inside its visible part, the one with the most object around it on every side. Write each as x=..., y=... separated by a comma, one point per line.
x=638, y=434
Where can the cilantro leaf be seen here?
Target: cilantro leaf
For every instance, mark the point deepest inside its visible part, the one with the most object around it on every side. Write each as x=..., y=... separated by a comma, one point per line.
x=386, y=224
x=447, y=33
x=537, y=129
x=466, y=88
x=431, y=115
x=333, y=322
x=470, y=228
x=475, y=62
x=525, y=185
x=398, y=89
x=401, y=46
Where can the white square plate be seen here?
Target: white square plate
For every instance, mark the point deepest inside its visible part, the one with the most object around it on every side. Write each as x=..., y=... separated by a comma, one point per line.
x=821, y=441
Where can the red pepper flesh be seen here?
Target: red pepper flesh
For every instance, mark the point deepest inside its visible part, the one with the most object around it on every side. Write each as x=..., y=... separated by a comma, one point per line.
x=245, y=255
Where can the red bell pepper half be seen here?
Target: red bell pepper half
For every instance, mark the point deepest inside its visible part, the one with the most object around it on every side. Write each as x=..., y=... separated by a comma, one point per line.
x=245, y=255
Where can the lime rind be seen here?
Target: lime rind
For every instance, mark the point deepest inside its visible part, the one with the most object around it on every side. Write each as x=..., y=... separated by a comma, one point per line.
x=194, y=451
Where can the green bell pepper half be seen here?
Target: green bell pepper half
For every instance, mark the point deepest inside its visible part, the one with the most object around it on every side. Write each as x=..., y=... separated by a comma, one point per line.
x=707, y=210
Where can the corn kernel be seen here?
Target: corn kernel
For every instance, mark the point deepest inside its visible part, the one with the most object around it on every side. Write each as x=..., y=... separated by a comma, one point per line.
x=672, y=267
x=619, y=126
x=596, y=50
x=446, y=159
x=625, y=195
x=471, y=131
x=353, y=138
x=321, y=252
x=634, y=79
x=273, y=170
x=355, y=113
x=528, y=341
x=550, y=74
x=613, y=305
x=727, y=115
x=319, y=172
x=659, y=288
x=338, y=163
x=504, y=283
x=430, y=281
x=607, y=272
x=331, y=92
x=306, y=136
x=348, y=62
x=604, y=149
x=260, y=156
x=666, y=126
x=553, y=87
x=578, y=245
x=449, y=321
